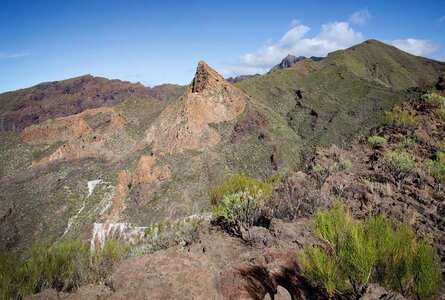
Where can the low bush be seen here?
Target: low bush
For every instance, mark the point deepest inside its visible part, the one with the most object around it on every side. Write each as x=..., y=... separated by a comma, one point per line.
x=376, y=141
x=373, y=250
x=239, y=183
x=343, y=165
x=291, y=199
x=436, y=168
x=433, y=100
x=63, y=266
x=401, y=118
x=406, y=144
x=243, y=208
x=400, y=164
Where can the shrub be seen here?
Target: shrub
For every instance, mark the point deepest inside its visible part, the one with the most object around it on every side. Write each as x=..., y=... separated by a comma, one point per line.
x=103, y=260
x=406, y=144
x=239, y=183
x=321, y=268
x=376, y=141
x=433, y=100
x=372, y=250
x=169, y=233
x=436, y=168
x=343, y=165
x=244, y=208
x=400, y=164
x=401, y=118
x=291, y=199
x=63, y=266
x=440, y=113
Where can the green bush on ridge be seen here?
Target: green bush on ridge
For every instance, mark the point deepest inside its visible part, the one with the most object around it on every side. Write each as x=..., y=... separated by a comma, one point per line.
x=372, y=250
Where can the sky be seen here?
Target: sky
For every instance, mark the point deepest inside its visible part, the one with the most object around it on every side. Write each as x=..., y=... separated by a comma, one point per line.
x=155, y=42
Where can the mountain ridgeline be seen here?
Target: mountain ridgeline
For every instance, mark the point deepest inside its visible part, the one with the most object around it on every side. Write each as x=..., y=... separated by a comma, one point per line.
x=89, y=150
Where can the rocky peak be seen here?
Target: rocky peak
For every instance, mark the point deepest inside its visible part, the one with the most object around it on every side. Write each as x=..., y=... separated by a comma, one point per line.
x=206, y=79
x=287, y=62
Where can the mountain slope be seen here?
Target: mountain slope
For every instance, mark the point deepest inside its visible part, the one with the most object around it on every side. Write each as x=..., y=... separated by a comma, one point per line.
x=343, y=95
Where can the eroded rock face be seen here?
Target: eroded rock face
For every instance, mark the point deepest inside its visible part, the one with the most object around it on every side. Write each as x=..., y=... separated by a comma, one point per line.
x=185, y=125
x=147, y=172
x=81, y=134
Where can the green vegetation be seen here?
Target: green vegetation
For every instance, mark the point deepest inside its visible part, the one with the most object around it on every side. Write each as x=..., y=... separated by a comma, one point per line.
x=343, y=165
x=63, y=266
x=436, y=167
x=401, y=118
x=407, y=143
x=433, y=99
x=436, y=101
x=400, y=164
x=243, y=208
x=376, y=141
x=373, y=250
x=168, y=233
x=239, y=183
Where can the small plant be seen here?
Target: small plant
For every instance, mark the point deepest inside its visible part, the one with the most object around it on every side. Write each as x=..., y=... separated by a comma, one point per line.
x=440, y=113
x=436, y=168
x=406, y=144
x=239, y=183
x=401, y=118
x=376, y=141
x=373, y=250
x=433, y=100
x=343, y=165
x=400, y=164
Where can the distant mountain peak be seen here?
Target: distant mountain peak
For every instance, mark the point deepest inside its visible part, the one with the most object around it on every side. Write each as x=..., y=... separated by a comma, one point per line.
x=206, y=79
x=287, y=62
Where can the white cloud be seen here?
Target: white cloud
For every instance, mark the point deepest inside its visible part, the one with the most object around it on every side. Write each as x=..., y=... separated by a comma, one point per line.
x=333, y=36
x=9, y=55
x=415, y=46
x=360, y=17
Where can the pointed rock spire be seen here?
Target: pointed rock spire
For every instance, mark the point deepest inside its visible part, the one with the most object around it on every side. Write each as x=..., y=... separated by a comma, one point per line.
x=206, y=79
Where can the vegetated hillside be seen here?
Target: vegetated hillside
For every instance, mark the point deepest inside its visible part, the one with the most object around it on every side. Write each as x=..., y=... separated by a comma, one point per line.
x=143, y=161
x=343, y=95
x=390, y=181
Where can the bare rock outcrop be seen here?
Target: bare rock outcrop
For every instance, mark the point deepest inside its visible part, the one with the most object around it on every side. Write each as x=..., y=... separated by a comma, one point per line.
x=185, y=125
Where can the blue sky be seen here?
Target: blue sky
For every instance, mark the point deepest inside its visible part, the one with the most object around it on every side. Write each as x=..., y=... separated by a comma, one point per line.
x=161, y=41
